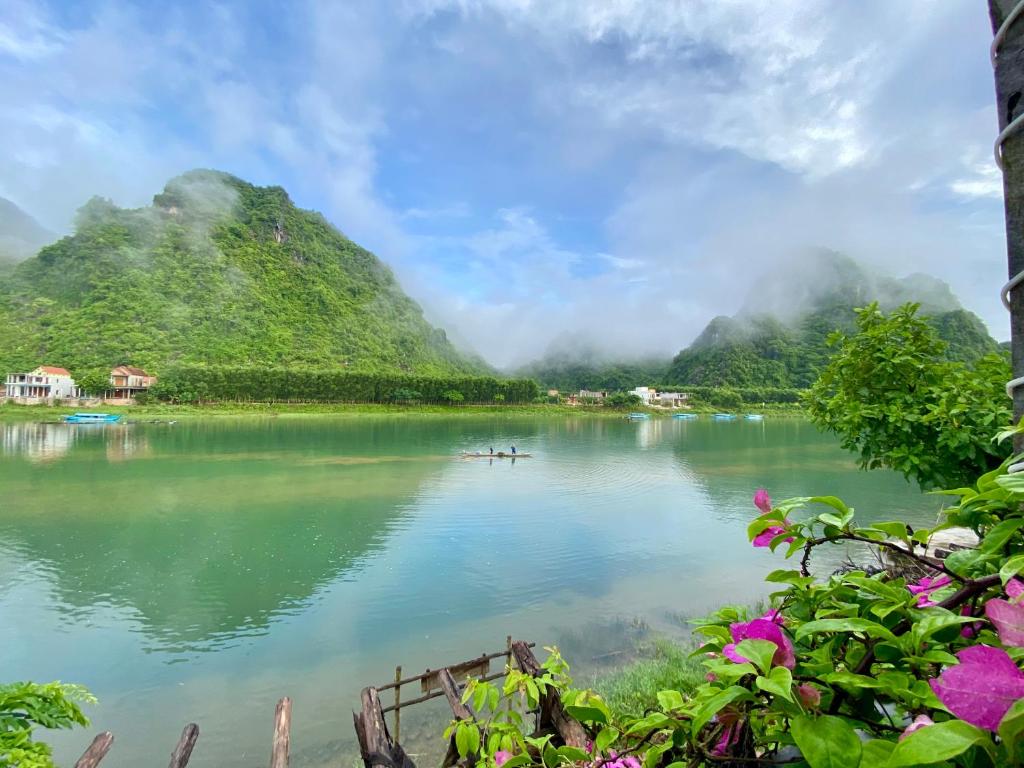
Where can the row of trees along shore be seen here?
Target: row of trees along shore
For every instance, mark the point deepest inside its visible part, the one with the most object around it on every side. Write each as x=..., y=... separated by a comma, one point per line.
x=195, y=384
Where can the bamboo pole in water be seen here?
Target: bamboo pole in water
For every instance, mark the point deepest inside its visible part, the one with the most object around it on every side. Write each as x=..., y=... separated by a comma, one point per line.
x=183, y=751
x=282, y=733
x=96, y=751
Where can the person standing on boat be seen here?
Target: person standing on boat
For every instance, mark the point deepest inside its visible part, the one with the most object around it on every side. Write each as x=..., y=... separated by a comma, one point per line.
x=492, y=450
x=513, y=450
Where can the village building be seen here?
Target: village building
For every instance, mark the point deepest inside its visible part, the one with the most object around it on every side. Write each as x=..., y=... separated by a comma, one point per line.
x=672, y=399
x=45, y=383
x=587, y=394
x=646, y=394
x=126, y=382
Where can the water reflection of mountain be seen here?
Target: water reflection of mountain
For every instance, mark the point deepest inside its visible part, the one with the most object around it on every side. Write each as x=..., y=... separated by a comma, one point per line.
x=228, y=529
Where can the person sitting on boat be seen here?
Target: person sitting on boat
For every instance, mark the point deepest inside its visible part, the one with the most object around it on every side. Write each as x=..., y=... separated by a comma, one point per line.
x=513, y=450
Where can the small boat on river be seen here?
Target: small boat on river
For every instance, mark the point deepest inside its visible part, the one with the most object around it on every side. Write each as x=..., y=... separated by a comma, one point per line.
x=638, y=416
x=92, y=418
x=725, y=416
x=684, y=416
x=495, y=455
x=754, y=417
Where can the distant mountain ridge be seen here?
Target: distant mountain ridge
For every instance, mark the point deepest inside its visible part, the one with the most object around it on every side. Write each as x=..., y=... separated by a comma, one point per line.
x=763, y=345
x=216, y=271
x=20, y=234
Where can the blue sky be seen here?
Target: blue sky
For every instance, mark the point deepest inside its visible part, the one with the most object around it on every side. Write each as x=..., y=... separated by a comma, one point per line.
x=616, y=170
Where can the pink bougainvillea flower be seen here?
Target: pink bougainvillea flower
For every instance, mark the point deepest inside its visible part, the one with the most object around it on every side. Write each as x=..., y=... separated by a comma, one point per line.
x=919, y=722
x=501, y=757
x=1015, y=588
x=761, y=629
x=764, y=538
x=925, y=587
x=809, y=695
x=775, y=617
x=729, y=737
x=763, y=501
x=1008, y=619
x=982, y=687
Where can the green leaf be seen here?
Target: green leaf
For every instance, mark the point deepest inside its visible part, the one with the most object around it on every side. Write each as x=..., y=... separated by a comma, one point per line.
x=652, y=722
x=760, y=652
x=467, y=739
x=895, y=529
x=827, y=741
x=935, y=743
x=572, y=754
x=589, y=714
x=1011, y=727
x=669, y=700
x=605, y=739
x=865, y=626
x=715, y=704
x=876, y=752
x=831, y=501
x=517, y=760
x=998, y=535
x=778, y=682
x=1011, y=568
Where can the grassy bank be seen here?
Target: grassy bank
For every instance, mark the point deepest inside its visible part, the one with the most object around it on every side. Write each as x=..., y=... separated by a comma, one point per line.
x=662, y=665
x=11, y=412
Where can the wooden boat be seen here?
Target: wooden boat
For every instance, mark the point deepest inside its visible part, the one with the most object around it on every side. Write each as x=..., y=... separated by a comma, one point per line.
x=496, y=455
x=92, y=418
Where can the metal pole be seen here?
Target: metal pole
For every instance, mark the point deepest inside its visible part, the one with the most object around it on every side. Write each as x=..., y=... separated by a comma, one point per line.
x=1008, y=63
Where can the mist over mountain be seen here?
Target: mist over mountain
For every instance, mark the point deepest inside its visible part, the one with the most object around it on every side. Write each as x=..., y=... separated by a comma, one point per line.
x=20, y=234
x=215, y=271
x=778, y=338
x=571, y=363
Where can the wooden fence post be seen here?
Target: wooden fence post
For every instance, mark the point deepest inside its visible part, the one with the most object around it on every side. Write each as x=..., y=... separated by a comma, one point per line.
x=398, y=704
x=183, y=751
x=282, y=734
x=96, y=751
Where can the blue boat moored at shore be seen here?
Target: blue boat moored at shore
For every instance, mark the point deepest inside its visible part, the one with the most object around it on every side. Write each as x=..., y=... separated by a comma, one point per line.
x=725, y=416
x=754, y=417
x=684, y=416
x=637, y=416
x=92, y=418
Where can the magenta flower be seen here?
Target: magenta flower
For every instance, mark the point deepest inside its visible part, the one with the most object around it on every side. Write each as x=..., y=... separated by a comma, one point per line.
x=1015, y=588
x=501, y=757
x=919, y=722
x=925, y=587
x=729, y=737
x=1008, y=619
x=775, y=617
x=763, y=501
x=809, y=695
x=761, y=629
x=969, y=630
x=982, y=687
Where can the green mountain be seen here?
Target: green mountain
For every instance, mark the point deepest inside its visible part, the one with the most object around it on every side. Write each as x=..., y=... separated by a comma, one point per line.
x=20, y=234
x=779, y=337
x=215, y=271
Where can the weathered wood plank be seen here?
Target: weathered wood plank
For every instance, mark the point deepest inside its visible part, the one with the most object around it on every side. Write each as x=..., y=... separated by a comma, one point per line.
x=478, y=667
x=96, y=751
x=451, y=691
x=282, y=734
x=552, y=712
x=375, y=742
x=183, y=751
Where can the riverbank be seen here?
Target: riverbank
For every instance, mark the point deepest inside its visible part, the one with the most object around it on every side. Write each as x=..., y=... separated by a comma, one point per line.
x=11, y=413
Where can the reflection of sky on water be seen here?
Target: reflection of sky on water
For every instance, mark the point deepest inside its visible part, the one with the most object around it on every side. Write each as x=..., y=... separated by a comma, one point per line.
x=240, y=560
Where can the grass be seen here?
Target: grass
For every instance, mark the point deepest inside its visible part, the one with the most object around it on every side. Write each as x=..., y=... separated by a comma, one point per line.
x=632, y=690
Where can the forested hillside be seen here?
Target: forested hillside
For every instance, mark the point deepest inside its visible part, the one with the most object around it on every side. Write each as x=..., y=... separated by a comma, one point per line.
x=787, y=347
x=215, y=271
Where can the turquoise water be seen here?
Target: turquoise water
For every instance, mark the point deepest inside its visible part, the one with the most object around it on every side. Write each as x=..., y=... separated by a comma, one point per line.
x=201, y=570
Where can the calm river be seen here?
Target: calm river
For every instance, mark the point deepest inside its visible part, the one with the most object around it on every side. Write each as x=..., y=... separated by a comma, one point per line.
x=201, y=570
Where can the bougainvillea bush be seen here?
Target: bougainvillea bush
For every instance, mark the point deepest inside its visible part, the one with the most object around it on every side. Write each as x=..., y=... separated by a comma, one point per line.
x=858, y=668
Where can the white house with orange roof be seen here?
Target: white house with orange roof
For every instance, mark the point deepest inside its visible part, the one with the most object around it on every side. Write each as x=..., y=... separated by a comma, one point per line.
x=47, y=382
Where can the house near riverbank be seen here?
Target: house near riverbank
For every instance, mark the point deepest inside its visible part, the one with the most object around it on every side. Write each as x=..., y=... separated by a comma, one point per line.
x=44, y=384
x=126, y=382
x=672, y=399
x=591, y=396
x=646, y=394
